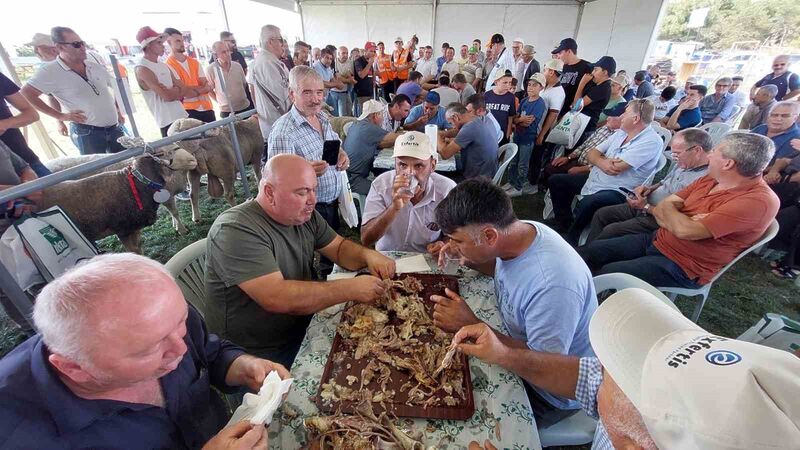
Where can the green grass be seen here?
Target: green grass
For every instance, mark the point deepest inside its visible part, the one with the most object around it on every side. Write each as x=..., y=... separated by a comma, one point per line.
x=737, y=301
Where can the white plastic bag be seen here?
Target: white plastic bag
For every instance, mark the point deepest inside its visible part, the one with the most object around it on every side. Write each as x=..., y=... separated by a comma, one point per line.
x=259, y=408
x=347, y=206
x=54, y=242
x=17, y=261
x=569, y=129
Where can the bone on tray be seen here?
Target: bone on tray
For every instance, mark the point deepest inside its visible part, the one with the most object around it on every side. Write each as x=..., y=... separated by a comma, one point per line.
x=391, y=353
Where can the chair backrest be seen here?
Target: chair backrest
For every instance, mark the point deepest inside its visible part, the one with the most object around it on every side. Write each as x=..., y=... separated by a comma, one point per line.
x=735, y=111
x=346, y=128
x=506, y=153
x=662, y=161
x=665, y=134
x=188, y=266
x=716, y=130
x=771, y=232
x=619, y=281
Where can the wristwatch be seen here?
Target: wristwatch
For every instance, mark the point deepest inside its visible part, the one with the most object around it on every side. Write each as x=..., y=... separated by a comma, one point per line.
x=646, y=209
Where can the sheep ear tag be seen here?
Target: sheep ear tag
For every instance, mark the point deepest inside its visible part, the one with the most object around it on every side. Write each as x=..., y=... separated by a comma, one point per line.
x=161, y=196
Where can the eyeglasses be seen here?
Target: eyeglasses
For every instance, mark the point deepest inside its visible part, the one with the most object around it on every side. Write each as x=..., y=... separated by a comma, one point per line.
x=782, y=116
x=76, y=44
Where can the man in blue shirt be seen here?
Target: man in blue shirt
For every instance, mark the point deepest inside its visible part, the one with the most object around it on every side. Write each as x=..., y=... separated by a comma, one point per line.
x=428, y=113
x=475, y=144
x=626, y=159
x=788, y=83
x=687, y=113
x=544, y=291
x=718, y=107
x=781, y=127
x=659, y=380
x=122, y=362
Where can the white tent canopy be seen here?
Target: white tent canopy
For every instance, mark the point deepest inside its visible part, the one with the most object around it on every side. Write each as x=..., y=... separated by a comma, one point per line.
x=621, y=28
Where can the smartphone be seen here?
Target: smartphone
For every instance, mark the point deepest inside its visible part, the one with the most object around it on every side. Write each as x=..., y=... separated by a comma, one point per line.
x=330, y=152
x=628, y=192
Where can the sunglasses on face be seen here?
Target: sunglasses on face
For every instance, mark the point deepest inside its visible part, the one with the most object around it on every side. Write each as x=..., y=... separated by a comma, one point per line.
x=76, y=44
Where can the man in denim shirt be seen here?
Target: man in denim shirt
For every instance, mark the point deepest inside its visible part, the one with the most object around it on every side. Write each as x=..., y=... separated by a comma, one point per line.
x=661, y=381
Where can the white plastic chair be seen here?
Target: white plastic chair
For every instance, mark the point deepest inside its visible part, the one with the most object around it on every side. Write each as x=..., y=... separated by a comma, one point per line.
x=662, y=161
x=188, y=266
x=346, y=128
x=735, y=112
x=506, y=154
x=577, y=429
x=619, y=281
x=703, y=291
x=665, y=134
x=716, y=130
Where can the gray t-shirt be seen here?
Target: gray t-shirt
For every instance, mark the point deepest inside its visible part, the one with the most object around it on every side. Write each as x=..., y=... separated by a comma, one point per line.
x=478, y=142
x=11, y=166
x=361, y=145
x=676, y=180
x=245, y=243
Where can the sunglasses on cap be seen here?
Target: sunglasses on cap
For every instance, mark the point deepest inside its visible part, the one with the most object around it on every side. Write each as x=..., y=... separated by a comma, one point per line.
x=76, y=44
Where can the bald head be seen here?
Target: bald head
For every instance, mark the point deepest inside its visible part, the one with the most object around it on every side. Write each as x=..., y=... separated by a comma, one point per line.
x=279, y=168
x=287, y=191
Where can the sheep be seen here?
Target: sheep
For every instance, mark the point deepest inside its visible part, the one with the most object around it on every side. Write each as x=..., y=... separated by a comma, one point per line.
x=104, y=204
x=169, y=152
x=215, y=157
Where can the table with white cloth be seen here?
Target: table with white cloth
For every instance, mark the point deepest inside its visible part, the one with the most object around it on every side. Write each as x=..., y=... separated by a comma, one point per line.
x=384, y=160
x=502, y=410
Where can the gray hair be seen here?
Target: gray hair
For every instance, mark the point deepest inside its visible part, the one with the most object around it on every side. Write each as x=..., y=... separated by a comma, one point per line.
x=298, y=74
x=643, y=108
x=770, y=89
x=455, y=108
x=217, y=44
x=793, y=105
x=268, y=32
x=62, y=309
x=57, y=33
x=696, y=137
x=724, y=80
x=751, y=152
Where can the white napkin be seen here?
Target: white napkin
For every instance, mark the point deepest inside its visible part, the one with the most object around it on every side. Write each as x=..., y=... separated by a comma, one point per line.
x=409, y=264
x=259, y=408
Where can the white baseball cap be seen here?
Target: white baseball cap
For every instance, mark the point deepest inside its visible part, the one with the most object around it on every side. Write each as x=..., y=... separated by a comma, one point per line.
x=519, y=39
x=413, y=144
x=371, y=107
x=694, y=389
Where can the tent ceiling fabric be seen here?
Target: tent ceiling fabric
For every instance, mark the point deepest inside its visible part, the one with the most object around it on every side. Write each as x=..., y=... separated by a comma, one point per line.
x=288, y=5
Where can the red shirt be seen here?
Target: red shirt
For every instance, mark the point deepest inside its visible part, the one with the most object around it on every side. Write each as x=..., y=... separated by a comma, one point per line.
x=736, y=218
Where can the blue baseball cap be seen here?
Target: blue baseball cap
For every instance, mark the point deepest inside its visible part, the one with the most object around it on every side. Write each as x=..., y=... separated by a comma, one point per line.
x=433, y=98
x=608, y=63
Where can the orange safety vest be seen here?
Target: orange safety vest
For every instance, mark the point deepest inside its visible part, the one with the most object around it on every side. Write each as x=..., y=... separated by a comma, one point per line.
x=401, y=58
x=385, y=73
x=191, y=79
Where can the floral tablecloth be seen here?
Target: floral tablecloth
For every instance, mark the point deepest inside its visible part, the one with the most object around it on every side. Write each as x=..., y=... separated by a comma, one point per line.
x=384, y=160
x=502, y=411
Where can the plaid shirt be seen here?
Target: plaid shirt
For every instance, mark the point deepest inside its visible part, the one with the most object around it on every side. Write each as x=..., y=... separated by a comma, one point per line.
x=597, y=138
x=292, y=133
x=590, y=375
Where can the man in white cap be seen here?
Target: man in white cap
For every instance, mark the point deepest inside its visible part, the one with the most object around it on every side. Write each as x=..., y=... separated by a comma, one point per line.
x=661, y=381
x=516, y=48
x=401, y=203
x=553, y=95
x=364, y=140
x=46, y=51
x=84, y=89
x=161, y=89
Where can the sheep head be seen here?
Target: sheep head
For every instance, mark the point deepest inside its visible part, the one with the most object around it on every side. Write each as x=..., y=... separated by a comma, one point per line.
x=177, y=159
x=191, y=145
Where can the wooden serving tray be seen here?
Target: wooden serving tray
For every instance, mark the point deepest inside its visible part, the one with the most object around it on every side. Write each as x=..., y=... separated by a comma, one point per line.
x=432, y=285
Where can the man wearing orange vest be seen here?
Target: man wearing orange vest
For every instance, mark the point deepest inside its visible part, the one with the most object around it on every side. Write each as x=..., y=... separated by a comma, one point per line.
x=385, y=71
x=188, y=70
x=402, y=60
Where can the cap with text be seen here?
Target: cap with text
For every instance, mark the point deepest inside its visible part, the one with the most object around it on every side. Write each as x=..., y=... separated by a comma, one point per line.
x=694, y=389
x=413, y=144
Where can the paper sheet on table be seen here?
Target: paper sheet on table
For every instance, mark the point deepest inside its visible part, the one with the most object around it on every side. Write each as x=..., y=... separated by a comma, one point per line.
x=409, y=264
x=259, y=408
x=341, y=276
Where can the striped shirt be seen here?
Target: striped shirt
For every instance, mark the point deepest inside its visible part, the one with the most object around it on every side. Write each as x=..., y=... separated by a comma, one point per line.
x=590, y=376
x=292, y=133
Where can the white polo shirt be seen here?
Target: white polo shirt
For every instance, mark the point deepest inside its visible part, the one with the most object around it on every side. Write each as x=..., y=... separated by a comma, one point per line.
x=92, y=94
x=409, y=232
x=427, y=67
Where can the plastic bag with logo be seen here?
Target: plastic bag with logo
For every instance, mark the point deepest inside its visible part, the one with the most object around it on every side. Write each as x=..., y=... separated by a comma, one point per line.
x=569, y=129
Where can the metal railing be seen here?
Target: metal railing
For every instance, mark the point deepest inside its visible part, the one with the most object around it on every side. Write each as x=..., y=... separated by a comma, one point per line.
x=8, y=284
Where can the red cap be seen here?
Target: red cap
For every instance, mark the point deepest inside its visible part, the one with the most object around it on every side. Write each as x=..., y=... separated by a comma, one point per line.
x=370, y=46
x=146, y=35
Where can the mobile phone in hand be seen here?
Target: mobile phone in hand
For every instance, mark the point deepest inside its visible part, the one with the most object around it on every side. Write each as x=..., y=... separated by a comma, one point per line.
x=631, y=195
x=330, y=152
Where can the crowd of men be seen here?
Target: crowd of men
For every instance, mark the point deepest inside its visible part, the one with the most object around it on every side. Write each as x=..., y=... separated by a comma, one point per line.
x=121, y=361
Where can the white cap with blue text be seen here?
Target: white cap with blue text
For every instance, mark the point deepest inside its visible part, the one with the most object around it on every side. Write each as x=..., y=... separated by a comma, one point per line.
x=693, y=389
x=413, y=144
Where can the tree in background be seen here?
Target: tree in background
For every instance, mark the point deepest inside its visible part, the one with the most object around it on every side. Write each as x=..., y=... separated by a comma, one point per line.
x=771, y=22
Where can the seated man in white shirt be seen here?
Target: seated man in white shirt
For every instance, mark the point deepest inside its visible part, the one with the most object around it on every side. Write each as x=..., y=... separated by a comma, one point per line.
x=401, y=203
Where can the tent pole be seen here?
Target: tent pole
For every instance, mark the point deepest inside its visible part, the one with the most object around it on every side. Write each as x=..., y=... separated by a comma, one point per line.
x=581, y=5
x=224, y=15
x=302, y=22
x=433, y=23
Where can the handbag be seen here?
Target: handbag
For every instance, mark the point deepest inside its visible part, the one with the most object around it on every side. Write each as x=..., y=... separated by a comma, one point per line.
x=569, y=129
x=347, y=206
x=54, y=242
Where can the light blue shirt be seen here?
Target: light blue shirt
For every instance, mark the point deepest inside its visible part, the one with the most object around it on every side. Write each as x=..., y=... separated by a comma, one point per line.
x=438, y=120
x=641, y=153
x=711, y=107
x=325, y=72
x=546, y=297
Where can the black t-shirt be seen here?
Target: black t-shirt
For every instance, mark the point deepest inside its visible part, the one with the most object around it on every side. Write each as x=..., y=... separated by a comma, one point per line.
x=570, y=78
x=13, y=137
x=501, y=107
x=600, y=94
x=364, y=86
